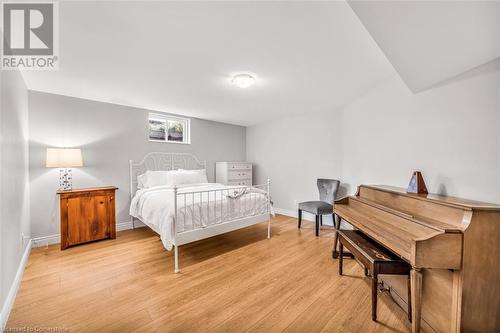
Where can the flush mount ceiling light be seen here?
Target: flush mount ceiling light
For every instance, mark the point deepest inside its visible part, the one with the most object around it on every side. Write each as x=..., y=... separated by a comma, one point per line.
x=243, y=80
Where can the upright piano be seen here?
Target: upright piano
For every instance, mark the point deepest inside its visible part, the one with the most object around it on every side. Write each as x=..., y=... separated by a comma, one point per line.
x=453, y=246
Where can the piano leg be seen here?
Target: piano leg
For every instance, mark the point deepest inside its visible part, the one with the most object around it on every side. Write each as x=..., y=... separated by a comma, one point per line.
x=335, y=253
x=409, y=298
x=416, y=296
x=374, y=292
x=341, y=261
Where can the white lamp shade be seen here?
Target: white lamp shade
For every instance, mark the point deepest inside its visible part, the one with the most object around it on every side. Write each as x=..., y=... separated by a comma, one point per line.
x=64, y=158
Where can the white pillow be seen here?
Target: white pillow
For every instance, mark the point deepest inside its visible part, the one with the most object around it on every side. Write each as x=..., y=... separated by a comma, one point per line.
x=187, y=177
x=152, y=178
x=141, y=181
x=171, y=178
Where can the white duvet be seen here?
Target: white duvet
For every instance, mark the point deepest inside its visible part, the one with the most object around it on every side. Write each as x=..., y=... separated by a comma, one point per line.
x=156, y=208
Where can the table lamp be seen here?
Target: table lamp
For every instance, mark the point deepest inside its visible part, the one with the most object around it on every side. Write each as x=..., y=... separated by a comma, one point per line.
x=65, y=159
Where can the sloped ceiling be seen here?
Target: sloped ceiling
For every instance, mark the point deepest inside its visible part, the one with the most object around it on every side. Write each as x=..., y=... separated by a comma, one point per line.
x=178, y=57
x=429, y=42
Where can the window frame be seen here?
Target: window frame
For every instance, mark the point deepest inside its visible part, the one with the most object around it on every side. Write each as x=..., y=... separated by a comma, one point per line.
x=186, y=122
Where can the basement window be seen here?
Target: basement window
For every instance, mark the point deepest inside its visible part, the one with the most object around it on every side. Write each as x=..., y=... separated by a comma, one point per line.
x=166, y=128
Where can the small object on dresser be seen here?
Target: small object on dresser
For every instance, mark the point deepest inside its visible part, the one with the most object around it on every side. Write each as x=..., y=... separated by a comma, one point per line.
x=233, y=173
x=417, y=184
x=87, y=214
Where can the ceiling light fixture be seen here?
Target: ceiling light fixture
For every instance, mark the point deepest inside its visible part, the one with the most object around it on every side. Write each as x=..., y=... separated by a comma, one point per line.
x=243, y=80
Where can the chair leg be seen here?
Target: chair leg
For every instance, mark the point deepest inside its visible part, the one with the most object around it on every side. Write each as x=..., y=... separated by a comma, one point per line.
x=300, y=217
x=341, y=261
x=321, y=220
x=317, y=225
x=409, y=298
x=374, y=293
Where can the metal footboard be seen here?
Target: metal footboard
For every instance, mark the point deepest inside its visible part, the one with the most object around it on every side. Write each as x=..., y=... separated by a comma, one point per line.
x=203, y=214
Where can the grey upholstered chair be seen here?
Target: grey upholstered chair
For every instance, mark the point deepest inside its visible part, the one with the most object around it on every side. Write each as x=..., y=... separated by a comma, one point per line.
x=327, y=191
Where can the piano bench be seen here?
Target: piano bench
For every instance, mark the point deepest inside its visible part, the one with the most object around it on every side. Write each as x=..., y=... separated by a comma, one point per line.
x=375, y=258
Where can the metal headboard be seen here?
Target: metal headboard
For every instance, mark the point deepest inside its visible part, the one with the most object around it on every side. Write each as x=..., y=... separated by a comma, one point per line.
x=156, y=161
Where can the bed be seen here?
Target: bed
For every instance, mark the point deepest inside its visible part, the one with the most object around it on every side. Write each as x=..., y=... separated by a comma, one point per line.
x=183, y=207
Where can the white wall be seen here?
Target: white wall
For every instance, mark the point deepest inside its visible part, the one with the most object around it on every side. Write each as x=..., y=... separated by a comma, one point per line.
x=450, y=133
x=14, y=183
x=109, y=136
x=293, y=152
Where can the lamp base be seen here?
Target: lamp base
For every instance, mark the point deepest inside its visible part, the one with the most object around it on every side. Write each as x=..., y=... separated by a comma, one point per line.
x=65, y=179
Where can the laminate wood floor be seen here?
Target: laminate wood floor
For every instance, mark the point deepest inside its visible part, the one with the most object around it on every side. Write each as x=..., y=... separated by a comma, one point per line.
x=236, y=282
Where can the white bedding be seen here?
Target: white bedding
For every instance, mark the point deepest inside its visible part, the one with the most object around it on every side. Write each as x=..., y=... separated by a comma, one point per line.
x=155, y=207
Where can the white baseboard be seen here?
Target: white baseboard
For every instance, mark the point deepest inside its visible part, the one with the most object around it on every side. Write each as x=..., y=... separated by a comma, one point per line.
x=46, y=240
x=128, y=225
x=56, y=239
x=305, y=215
x=294, y=213
x=11, y=296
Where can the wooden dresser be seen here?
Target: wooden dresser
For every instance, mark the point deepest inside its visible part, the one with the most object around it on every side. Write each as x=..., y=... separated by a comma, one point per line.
x=233, y=173
x=87, y=214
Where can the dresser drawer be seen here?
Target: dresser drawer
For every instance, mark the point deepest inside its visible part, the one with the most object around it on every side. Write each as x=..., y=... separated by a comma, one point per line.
x=237, y=175
x=239, y=166
x=246, y=182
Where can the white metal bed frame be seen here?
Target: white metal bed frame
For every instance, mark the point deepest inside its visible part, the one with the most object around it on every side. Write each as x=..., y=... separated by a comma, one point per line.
x=155, y=161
